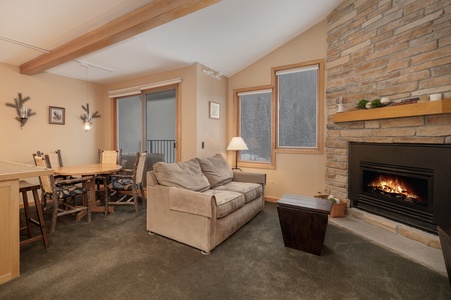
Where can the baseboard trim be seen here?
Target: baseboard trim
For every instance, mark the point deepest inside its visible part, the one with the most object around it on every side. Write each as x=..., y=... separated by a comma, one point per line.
x=271, y=199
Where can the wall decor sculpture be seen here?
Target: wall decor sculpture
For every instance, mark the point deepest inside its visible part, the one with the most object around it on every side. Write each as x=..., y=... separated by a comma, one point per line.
x=23, y=112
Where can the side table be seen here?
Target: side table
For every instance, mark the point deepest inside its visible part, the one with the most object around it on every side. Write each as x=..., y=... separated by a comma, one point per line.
x=303, y=221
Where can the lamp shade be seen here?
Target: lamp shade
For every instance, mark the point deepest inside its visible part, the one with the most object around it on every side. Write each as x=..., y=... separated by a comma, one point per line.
x=237, y=143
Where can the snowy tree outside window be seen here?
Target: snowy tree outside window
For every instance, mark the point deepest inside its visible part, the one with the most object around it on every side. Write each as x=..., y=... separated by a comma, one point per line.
x=297, y=107
x=255, y=125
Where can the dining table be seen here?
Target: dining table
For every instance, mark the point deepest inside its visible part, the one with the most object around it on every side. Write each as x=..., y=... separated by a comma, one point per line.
x=90, y=170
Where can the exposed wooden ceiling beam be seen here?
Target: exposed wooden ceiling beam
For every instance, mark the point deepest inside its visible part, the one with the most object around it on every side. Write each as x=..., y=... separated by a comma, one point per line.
x=152, y=15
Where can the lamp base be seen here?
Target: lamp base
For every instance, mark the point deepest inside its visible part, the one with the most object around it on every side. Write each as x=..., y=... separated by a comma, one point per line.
x=236, y=162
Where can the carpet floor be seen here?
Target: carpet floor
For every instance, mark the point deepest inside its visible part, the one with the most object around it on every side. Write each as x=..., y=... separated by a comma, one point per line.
x=115, y=258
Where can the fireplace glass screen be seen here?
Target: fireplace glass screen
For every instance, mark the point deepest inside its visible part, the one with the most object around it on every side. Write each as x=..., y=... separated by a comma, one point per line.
x=404, y=189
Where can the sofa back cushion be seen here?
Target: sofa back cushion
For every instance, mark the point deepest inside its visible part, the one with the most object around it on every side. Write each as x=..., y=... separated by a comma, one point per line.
x=216, y=169
x=187, y=175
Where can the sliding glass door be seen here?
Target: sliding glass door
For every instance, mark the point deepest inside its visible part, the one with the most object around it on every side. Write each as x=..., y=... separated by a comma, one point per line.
x=149, y=122
x=129, y=124
x=161, y=123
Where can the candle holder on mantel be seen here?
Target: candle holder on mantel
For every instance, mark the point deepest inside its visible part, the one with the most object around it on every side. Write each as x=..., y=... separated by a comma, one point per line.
x=23, y=112
x=340, y=107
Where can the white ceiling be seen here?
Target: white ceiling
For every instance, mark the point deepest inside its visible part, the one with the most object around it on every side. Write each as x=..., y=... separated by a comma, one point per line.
x=226, y=37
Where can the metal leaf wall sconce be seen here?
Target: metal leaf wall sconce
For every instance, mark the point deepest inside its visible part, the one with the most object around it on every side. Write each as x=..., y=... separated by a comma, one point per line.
x=87, y=117
x=23, y=112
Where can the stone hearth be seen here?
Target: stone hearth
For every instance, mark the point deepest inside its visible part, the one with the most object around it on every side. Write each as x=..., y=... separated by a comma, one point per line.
x=415, y=245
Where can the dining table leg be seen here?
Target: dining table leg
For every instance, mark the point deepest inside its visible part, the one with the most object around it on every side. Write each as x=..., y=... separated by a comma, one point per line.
x=94, y=206
x=93, y=203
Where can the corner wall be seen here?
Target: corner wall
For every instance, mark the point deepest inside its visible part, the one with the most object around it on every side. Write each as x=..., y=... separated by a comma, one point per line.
x=294, y=173
x=212, y=132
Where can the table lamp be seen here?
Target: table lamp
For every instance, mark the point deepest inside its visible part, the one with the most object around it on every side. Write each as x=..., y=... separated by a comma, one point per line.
x=236, y=144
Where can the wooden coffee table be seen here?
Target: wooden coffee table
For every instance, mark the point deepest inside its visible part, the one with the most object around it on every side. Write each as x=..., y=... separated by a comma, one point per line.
x=303, y=221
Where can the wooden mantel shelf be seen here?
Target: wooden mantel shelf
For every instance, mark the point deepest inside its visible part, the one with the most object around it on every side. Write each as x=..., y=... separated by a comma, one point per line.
x=398, y=111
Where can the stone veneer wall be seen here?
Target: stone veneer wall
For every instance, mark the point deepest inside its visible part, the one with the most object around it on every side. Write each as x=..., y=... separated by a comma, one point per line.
x=390, y=48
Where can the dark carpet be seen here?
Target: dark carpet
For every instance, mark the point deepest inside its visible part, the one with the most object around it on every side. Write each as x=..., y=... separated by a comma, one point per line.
x=115, y=258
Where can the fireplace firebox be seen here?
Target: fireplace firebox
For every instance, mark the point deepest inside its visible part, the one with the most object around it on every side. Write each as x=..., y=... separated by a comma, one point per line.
x=409, y=183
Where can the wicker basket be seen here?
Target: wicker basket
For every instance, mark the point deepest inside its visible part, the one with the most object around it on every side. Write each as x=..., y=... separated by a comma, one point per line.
x=338, y=209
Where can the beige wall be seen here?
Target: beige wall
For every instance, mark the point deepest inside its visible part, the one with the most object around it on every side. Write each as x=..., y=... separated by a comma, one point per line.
x=212, y=132
x=46, y=90
x=78, y=146
x=295, y=173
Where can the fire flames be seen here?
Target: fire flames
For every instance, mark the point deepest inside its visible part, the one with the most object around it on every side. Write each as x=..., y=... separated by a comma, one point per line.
x=392, y=186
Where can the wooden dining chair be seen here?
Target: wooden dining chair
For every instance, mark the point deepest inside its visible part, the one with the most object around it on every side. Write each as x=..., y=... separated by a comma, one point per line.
x=55, y=159
x=112, y=157
x=128, y=185
x=58, y=194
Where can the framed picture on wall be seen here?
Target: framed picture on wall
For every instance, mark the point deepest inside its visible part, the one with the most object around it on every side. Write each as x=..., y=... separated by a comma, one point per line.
x=214, y=110
x=57, y=115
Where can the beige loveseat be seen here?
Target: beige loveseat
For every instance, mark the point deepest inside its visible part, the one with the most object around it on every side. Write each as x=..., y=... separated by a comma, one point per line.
x=201, y=202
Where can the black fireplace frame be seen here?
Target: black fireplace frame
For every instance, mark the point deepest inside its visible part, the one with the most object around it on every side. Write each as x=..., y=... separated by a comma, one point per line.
x=434, y=157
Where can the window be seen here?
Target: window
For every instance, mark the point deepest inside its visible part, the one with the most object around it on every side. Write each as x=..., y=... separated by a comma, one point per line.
x=255, y=126
x=299, y=108
x=288, y=119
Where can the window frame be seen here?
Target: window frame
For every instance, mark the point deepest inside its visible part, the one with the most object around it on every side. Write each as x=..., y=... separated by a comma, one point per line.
x=237, y=121
x=319, y=149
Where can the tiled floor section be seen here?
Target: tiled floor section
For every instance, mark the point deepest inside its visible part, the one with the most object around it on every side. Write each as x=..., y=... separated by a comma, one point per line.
x=430, y=257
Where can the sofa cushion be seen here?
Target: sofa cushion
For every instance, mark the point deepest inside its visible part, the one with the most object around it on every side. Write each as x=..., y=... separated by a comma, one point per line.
x=249, y=190
x=151, y=158
x=226, y=201
x=187, y=175
x=216, y=169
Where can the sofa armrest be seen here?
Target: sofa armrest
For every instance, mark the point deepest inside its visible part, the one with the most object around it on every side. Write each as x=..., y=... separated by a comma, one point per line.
x=191, y=202
x=151, y=179
x=241, y=176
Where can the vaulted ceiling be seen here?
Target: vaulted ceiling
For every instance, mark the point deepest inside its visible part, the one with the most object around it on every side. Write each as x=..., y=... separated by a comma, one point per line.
x=104, y=41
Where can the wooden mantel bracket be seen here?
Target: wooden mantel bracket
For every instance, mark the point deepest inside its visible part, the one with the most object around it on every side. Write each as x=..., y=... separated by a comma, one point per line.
x=151, y=15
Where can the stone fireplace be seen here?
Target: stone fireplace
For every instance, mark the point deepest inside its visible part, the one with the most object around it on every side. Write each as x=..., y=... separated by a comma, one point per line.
x=394, y=49
x=407, y=183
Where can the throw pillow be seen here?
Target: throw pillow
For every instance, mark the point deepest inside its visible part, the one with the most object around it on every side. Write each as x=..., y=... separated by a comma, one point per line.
x=186, y=175
x=216, y=169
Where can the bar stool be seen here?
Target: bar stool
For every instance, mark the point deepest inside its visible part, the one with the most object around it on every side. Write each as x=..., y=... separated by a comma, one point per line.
x=24, y=187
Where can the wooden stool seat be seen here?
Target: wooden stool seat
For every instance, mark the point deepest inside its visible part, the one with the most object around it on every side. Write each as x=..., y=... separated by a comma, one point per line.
x=24, y=187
